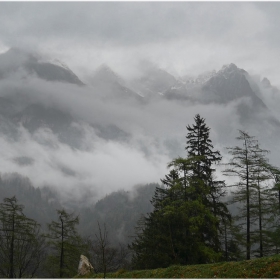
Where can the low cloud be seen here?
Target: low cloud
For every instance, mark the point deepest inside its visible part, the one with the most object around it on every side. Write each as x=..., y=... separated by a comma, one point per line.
x=155, y=135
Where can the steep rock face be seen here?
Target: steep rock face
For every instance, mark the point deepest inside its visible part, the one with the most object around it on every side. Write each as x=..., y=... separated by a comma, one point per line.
x=51, y=72
x=199, y=80
x=229, y=84
x=266, y=83
x=19, y=62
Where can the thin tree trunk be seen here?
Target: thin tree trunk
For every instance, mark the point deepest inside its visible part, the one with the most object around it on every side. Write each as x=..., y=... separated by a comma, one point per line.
x=260, y=221
x=226, y=247
x=62, y=251
x=248, y=247
x=11, y=271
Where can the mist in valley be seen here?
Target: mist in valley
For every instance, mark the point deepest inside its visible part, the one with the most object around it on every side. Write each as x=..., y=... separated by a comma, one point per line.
x=95, y=97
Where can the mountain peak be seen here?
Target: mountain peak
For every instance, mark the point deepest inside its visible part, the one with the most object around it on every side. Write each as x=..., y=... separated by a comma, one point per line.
x=105, y=74
x=104, y=68
x=16, y=59
x=266, y=83
x=230, y=69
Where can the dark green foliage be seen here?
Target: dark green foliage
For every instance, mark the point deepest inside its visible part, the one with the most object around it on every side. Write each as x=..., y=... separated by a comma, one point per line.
x=184, y=226
x=199, y=144
x=21, y=246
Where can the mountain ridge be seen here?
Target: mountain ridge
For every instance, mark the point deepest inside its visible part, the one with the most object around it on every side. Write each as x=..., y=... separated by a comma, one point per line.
x=106, y=119
x=17, y=60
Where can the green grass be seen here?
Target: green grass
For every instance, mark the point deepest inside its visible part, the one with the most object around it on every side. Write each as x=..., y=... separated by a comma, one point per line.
x=268, y=267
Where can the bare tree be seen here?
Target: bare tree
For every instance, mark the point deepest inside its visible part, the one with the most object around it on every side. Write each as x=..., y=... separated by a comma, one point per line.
x=104, y=256
x=66, y=244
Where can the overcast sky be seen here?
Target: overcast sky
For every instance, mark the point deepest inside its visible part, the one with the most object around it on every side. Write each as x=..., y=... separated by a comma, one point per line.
x=183, y=37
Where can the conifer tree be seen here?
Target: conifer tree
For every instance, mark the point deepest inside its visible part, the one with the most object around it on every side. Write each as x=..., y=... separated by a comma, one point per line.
x=251, y=168
x=199, y=146
x=21, y=247
x=183, y=228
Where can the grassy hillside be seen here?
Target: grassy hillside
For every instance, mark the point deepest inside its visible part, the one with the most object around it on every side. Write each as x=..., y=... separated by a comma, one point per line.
x=268, y=267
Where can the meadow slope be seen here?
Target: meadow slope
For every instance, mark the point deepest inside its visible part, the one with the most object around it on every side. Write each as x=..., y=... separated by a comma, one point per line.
x=267, y=267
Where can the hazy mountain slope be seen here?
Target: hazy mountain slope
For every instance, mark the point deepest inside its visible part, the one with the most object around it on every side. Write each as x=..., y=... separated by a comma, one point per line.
x=35, y=116
x=18, y=62
x=153, y=81
x=39, y=204
x=106, y=136
x=100, y=138
x=120, y=211
x=108, y=85
x=230, y=84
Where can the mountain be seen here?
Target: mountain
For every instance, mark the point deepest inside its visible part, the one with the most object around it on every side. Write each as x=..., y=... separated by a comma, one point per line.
x=226, y=85
x=18, y=62
x=108, y=85
x=105, y=75
x=153, y=81
x=39, y=204
x=230, y=83
x=84, y=134
x=18, y=107
x=120, y=210
x=86, y=139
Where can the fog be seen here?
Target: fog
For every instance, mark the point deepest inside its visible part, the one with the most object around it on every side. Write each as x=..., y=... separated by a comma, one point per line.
x=184, y=38
x=99, y=166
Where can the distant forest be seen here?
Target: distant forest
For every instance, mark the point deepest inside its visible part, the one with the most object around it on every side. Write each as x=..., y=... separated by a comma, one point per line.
x=192, y=217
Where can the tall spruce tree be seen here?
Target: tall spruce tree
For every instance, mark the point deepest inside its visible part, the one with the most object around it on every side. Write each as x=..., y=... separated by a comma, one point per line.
x=180, y=230
x=199, y=145
x=183, y=228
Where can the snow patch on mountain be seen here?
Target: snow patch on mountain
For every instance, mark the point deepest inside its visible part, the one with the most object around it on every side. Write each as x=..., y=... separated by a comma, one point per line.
x=200, y=79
